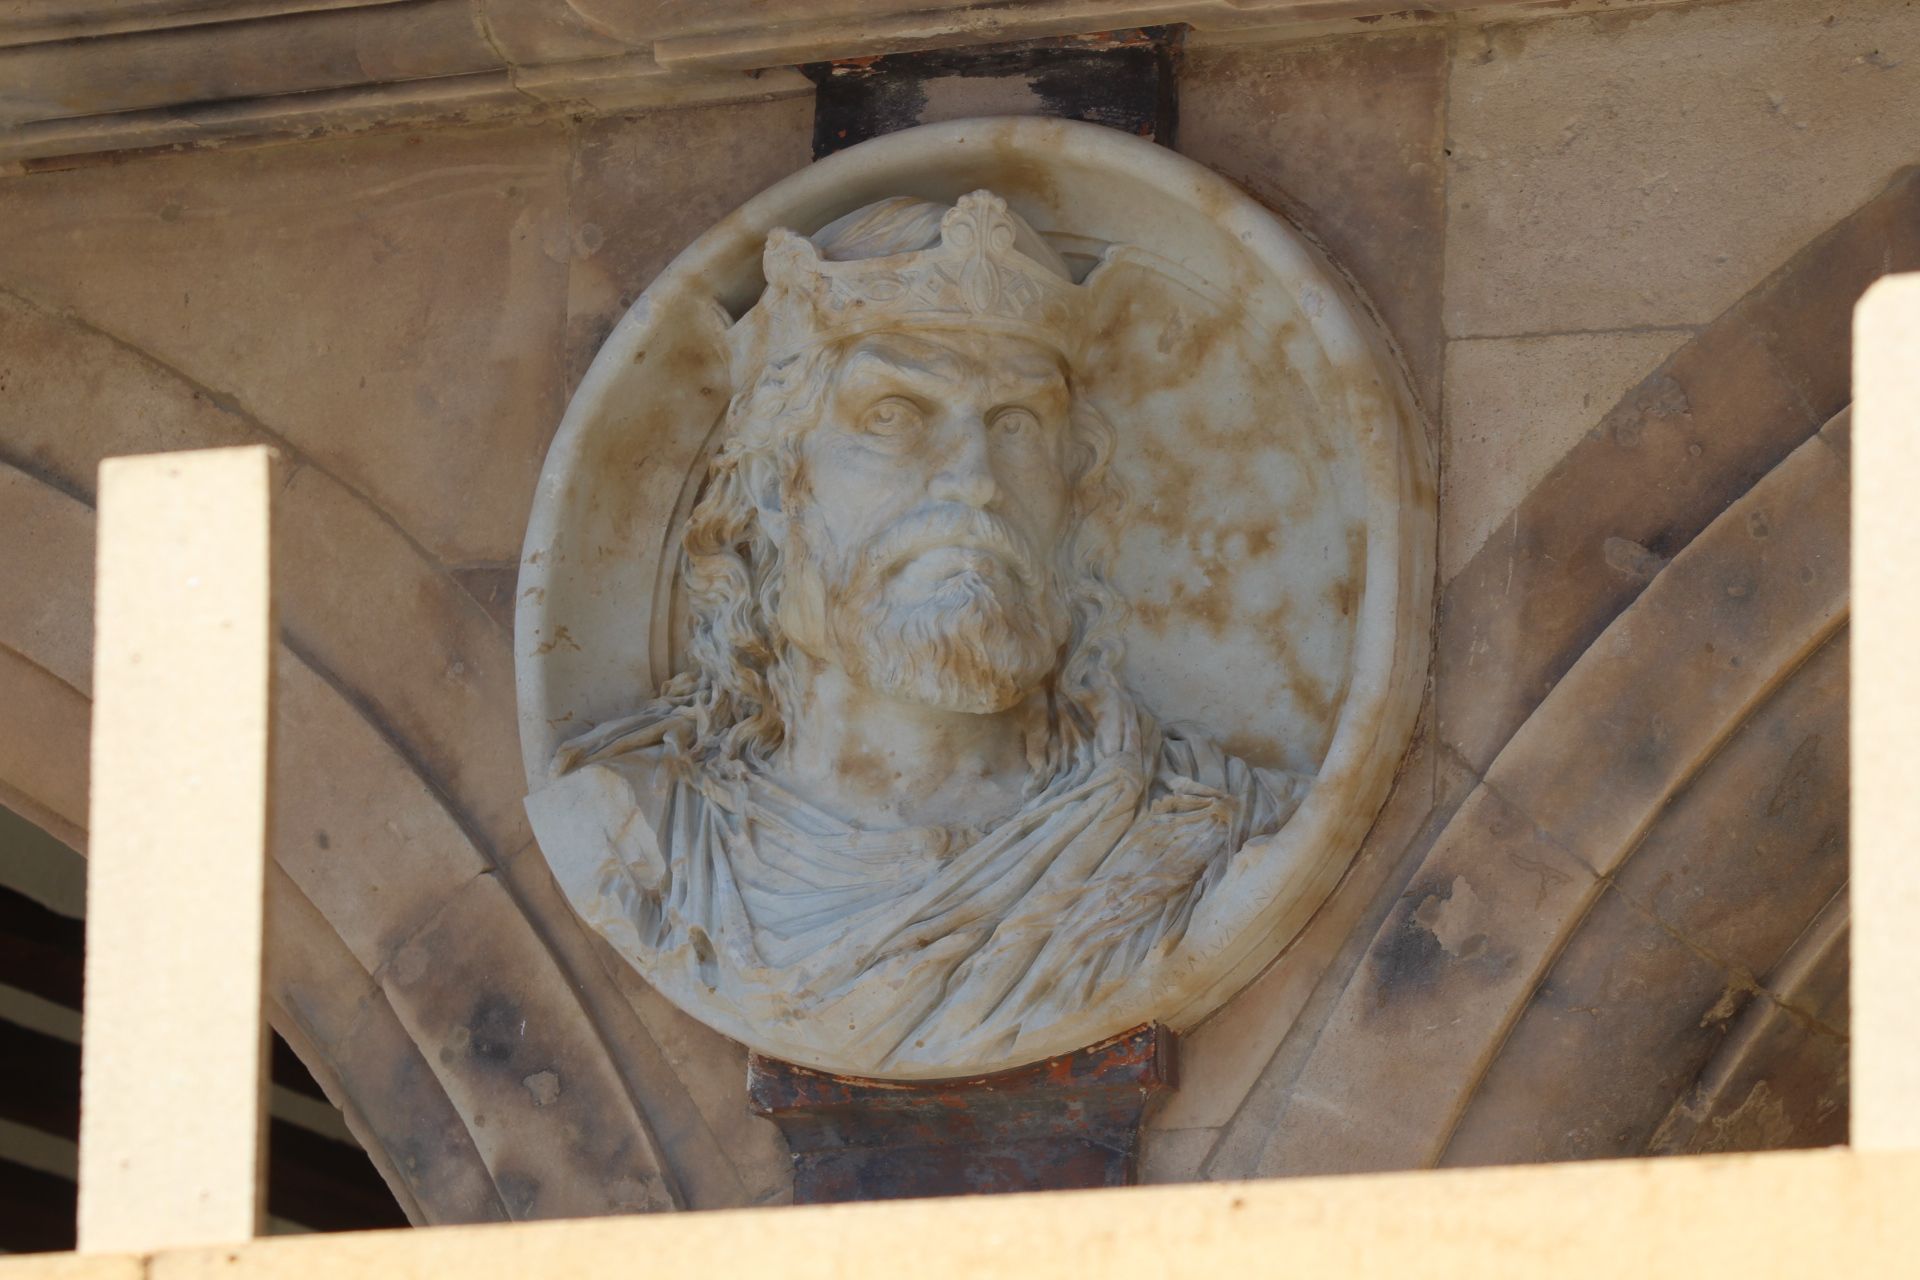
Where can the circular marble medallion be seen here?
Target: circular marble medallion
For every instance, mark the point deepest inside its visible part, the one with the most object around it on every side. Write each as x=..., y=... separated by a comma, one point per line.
x=975, y=603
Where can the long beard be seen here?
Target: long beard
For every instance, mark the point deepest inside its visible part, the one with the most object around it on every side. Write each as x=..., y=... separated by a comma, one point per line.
x=968, y=646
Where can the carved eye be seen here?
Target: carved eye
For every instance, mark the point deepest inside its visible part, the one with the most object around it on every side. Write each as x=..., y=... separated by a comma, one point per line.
x=893, y=416
x=1015, y=420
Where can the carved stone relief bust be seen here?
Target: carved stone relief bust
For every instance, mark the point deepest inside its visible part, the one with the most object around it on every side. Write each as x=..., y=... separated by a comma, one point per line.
x=975, y=603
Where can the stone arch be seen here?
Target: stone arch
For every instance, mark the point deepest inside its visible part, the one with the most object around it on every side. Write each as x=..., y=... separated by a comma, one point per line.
x=1779, y=1076
x=1544, y=838
x=1648, y=539
x=535, y=1086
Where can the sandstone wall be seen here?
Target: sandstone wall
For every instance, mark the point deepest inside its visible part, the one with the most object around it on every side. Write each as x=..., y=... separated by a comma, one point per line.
x=1604, y=911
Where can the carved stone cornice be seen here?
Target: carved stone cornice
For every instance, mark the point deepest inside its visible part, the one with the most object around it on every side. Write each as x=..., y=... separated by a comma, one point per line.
x=81, y=77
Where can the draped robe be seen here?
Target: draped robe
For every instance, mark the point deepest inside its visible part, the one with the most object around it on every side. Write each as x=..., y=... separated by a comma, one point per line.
x=893, y=951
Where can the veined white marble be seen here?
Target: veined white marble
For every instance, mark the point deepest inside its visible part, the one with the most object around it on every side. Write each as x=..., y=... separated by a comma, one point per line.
x=975, y=603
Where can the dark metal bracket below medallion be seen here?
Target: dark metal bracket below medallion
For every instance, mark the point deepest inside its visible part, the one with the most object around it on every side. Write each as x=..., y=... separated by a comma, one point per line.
x=1069, y=1122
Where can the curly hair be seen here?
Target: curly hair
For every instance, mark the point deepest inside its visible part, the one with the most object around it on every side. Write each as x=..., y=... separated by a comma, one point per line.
x=734, y=571
x=735, y=687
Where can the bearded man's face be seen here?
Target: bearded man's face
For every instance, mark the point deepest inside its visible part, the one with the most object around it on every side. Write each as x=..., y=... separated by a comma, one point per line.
x=922, y=526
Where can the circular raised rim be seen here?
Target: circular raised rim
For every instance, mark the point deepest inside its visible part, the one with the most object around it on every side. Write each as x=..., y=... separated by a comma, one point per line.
x=1247, y=919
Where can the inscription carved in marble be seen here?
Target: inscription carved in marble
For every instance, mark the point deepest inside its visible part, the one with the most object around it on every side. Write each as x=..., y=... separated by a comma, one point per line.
x=904, y=784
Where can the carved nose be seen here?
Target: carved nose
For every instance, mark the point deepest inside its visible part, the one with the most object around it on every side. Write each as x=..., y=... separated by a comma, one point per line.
x=968, y=474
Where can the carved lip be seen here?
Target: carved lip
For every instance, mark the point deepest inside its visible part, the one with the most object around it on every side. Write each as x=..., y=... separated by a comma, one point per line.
x=964, y=554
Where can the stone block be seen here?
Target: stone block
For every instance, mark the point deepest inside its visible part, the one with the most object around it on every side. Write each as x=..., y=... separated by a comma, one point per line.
x=43, y=756
x=1688, y=440
x=75, y=395
x=1625, y=993
x=1656, y=981
x=1659, y=692
x=531, y=32
x=1757, y=843
x=1174, y=1155
x=726, y=1155
x=339, y=1022
x=1781, y=1080
x=46, y=577
x=1514, y=407
x=336, y=47
x=1344, y=136
x=352, y=583
x=496, y=1020
x=1621, y=169
x=1462, y=944
x=644, y=188
x=390, y=306
x=358, y=830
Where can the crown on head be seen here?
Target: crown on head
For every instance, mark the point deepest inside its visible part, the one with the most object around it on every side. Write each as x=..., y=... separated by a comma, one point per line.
x=973, y=278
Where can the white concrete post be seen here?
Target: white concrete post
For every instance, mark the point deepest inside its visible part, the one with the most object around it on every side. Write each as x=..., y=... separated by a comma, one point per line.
x=1885, y=714
x=171, y=1131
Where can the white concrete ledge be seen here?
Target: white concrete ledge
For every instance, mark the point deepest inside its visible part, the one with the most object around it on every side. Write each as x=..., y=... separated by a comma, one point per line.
x=1786, y=1214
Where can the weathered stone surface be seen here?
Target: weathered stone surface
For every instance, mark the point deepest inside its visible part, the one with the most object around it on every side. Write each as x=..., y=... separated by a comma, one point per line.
x=1782, y=1077
x=1479, y=916
x=1174, y=1155
x=1750, y=599
x=1346, y=137
x=46, y=599
x=1468, y=942
x=447, y=695
x=484, y=1001
x=1757, y=845
x=492, y=587
x=75, y=395
x=642, y=192
x=1667, y=459
x=723, y=1153
x=1683, y=939
x=1616, y=170
x=685, y=1079
x=338, y=1020
x=299, y=53
x=342, y=791
x=1514, y=407
x=46, y=649
x=533, y=32
x=1619, y=1028
x=1228, y=1071
x=43, y=754
x=421, y=361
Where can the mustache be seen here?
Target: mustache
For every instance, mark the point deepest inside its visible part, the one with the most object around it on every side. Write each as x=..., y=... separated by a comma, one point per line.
x=947, y=524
